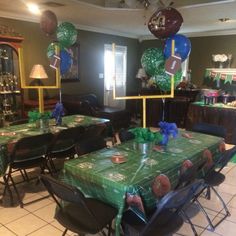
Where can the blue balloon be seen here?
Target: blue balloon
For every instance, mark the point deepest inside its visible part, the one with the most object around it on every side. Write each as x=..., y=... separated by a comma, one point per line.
x=66, y=61
x=182, y=46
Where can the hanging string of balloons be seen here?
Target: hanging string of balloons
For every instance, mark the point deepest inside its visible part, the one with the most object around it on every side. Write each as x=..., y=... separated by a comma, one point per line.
x=66, y=35
x=164, y=24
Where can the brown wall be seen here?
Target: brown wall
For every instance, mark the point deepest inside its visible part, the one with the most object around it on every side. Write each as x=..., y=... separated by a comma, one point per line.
x=91, y=62
x=90, y=56
x=201, y=57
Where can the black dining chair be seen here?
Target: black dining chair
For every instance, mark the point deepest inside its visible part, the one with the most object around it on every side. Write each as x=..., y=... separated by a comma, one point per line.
x=210, y=129
x=92, y=140
x=19, y=122
x=167, y=217
x=125, y=135
x=63, y=145
x=214, y=177
x=187, y=177
x=28, y=152
x=77, y=213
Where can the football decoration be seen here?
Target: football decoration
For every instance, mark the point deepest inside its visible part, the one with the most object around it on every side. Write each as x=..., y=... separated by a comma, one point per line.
x=161, y=185
x=165, y=22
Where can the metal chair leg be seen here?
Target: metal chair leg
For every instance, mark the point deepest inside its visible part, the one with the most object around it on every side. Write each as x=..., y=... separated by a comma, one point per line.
x=7, y=187
x=17, y=193
x=222, y=201
x=190, y=222
x=205, y=213
x=64, y=233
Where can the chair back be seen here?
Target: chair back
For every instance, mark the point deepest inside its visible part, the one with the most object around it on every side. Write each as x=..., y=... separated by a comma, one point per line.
x=62, y=191
x=174, y=201
x=31, y=147
x=66, y=139
x=225, y=158
x=92, y=139
x=190, y=174
x=125, y=135
x=19, y=122
x=70, y=195
x=210, y=129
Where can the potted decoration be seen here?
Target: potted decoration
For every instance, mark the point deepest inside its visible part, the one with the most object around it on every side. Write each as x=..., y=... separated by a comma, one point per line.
x=40, y=119
x=167, y=130
x=145, y=139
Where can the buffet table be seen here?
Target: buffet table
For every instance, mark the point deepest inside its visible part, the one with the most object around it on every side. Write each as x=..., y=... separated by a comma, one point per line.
x=218, y=114
x=138, y=179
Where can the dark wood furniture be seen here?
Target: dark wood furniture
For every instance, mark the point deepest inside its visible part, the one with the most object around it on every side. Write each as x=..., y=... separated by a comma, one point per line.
x=30, y=105
x=87, y=104
x=11, y=96
x=170, y=110
x=223, y=116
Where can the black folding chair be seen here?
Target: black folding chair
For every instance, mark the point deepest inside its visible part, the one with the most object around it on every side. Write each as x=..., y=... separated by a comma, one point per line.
x=125, y=135
x=27, y=153
x=64, y=143
x=77, y=213
x=19, y=122
x=210, y=129
x=167, y=217
x=214, y=177
x=92, y=140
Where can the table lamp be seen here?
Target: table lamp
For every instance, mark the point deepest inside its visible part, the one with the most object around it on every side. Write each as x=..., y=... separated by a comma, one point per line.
x=142, y=76
x=39, y=73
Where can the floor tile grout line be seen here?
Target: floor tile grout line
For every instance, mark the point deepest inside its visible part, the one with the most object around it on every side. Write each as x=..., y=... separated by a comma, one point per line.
x=10, y=230
x=15, y=219
x=37, y=229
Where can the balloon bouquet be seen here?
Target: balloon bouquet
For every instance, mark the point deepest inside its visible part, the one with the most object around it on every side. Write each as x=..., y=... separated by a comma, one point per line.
x=164, y=24
x=66, y=34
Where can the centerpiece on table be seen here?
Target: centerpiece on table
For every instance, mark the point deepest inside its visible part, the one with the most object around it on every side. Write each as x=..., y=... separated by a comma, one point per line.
x=145, y=139
x=41, y=120
x=167, y=130
x=58, y=113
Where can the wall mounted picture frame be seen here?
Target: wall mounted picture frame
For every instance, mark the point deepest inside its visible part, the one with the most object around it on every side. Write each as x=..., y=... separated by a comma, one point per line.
x=72, y=75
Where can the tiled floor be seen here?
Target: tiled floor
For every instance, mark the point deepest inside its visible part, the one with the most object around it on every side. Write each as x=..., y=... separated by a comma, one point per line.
x=37, y=219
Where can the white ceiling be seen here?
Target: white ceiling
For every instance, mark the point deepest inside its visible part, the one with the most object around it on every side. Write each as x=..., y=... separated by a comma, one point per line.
x=107, y=16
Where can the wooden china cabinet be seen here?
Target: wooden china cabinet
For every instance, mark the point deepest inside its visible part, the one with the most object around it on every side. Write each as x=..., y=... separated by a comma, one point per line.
x=11, y=97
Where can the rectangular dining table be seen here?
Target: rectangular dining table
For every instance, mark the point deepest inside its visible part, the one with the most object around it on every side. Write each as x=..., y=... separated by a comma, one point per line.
x=13, y=133
x=135, y=179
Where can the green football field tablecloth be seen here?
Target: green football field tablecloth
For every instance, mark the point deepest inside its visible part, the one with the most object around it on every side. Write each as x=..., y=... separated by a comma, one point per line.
x=15, y=132
x=97, y=176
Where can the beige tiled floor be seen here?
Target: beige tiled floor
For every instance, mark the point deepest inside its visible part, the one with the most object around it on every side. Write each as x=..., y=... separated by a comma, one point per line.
x=37, y=219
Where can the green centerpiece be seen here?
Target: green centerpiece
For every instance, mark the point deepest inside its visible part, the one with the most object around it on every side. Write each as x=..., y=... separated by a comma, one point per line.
x=145, y=139
x=40, y=119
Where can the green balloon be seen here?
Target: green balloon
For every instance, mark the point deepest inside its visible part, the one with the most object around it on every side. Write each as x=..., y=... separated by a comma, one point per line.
x=66, y=34
x=151, y=60
x=51, y=50
x=163, y=80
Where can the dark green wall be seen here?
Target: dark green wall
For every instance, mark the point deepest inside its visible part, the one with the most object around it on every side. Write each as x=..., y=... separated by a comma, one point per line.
x=90, y=56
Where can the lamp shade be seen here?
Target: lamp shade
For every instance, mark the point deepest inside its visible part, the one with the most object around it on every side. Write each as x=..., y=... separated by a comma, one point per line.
x=38, y=72
x=141, y=74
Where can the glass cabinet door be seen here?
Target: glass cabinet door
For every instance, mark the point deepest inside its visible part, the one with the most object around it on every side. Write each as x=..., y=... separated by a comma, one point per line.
x=9, y=82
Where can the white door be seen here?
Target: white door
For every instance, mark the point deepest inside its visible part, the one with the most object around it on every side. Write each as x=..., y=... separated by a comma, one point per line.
x=115, y=65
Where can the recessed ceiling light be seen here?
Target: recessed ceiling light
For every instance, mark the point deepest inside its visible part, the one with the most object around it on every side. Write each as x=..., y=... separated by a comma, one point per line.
x=33, y=8
x=224, y=19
